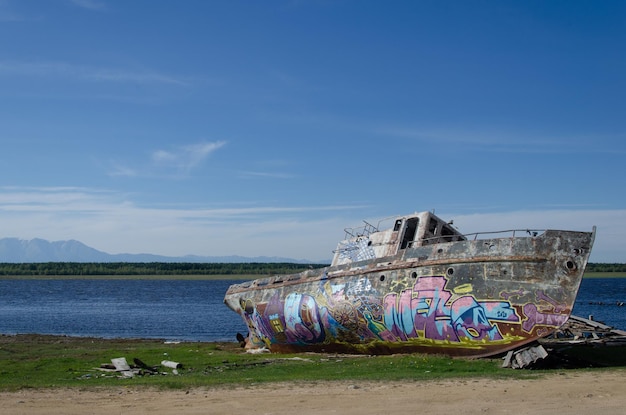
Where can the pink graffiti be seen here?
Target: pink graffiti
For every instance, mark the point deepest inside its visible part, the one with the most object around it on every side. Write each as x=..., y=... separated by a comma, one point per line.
x=428, y=308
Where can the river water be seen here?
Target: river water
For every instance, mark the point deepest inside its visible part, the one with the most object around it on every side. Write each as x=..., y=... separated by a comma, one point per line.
x=182, y=309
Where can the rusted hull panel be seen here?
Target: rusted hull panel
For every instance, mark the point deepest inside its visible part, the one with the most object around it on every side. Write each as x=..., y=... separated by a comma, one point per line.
x=467, y=298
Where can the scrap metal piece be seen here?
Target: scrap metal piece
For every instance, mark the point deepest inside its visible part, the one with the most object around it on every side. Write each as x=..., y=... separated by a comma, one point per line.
x=521, y=358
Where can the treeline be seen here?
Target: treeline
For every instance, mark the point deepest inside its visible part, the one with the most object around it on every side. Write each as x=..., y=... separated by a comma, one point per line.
x=151, y=268
x=185, y=268
x=591, y=267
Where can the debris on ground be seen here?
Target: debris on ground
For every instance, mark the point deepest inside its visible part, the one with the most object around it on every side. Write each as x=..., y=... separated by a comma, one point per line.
x=521, y=358
x=119, y=367
x=580, y=342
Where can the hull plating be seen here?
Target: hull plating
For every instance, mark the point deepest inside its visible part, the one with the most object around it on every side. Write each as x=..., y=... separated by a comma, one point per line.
x=466, y=298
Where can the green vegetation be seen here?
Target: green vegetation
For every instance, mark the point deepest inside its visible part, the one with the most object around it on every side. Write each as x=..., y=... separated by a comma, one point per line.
x=605, y=275
x=606, y=268
x=33, y=361
x=184, y=270
x=87, y=269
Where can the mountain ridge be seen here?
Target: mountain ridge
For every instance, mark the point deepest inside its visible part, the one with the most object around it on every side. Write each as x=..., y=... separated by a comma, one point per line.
x=36, y=250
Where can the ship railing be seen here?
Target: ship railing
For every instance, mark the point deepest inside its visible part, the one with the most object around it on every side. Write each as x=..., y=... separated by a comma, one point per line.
x=478, y=235
x=512, y=232
x=361, y=231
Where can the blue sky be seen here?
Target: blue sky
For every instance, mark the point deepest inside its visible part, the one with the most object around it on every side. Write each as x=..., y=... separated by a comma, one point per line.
x=265, y=128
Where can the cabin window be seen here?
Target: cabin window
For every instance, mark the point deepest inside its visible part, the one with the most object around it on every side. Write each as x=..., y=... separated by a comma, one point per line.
x=447, y=233
x=397, y=225
x=432, y=227
x=409, y=232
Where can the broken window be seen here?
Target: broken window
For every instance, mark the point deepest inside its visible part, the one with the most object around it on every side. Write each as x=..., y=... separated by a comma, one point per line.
x=409, y=232
x=447, y=233
x=397, y=225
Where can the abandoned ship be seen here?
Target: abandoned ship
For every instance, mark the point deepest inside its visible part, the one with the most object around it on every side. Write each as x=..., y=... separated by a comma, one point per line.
x=419, y=285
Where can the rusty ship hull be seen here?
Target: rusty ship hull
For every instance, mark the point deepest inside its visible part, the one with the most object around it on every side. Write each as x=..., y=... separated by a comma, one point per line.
x=420, y=286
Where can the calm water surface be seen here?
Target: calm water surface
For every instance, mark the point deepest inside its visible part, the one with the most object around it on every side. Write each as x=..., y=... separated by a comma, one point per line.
x=184, y=310
x=164, y=309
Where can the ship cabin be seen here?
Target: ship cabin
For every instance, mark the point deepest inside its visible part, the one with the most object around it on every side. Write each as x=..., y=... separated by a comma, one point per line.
x=399, y=233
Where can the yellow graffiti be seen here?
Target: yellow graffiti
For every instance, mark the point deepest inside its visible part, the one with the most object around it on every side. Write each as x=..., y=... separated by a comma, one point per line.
x=463, y=289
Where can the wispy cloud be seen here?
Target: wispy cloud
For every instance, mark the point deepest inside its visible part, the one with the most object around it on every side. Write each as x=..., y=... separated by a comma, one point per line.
x=468, y=136
x=90, y=4
x=185, y=158
x=269, y=175
x=87, y=73
x=176, y=162
x=115, y=222
x=506, y=141
x=118, y=170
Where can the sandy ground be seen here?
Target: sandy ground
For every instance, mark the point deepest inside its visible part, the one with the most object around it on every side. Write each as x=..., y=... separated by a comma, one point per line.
x=571, y=392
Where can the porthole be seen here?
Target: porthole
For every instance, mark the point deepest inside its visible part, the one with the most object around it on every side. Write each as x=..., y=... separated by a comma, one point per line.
x=450, y=271
x=414, y=275
x=570, y=265
x=382, y=277
x=439, y=250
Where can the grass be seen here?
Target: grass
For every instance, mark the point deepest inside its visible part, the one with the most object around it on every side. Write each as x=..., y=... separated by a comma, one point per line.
x=37, y=361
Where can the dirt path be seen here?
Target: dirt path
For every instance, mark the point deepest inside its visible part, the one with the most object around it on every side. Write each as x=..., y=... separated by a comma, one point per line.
x=573, y=392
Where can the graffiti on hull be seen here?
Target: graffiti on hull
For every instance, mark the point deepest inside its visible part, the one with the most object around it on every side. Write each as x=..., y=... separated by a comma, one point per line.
x=428, y=310
x=355, y=311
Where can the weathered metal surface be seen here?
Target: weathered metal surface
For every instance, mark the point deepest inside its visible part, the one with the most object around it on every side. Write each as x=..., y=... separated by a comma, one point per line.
x=420, y=286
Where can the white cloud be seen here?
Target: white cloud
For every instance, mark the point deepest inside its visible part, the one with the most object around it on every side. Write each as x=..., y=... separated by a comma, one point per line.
x=173, y=163
x=185, y=158
x=122, y=171
x=114, y=223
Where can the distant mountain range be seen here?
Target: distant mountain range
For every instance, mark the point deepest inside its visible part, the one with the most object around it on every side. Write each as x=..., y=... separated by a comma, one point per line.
x=16, y=250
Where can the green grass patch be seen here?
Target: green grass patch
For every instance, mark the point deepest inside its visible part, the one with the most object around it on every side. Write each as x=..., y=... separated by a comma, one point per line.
x=36, y=361
x=605, y=275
